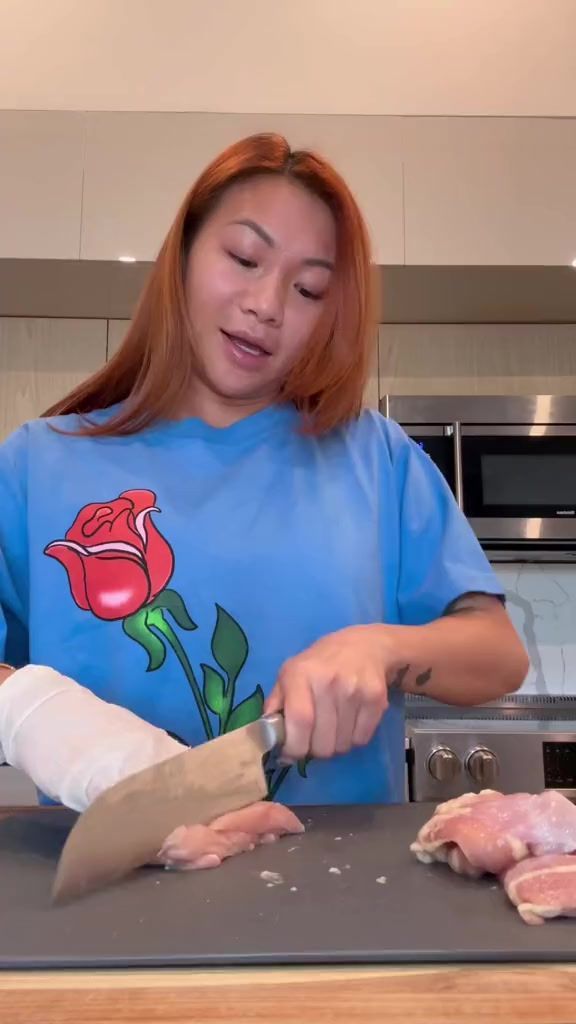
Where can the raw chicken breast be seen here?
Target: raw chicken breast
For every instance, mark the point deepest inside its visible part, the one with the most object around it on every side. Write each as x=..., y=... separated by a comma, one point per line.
x=543, y=887
x=489, y=832
x=206, y=846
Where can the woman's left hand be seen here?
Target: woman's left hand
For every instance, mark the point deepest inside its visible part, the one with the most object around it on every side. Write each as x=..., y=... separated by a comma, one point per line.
x=334, y=694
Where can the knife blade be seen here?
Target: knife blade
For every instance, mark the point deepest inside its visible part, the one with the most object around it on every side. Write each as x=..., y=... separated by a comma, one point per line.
x=125, y=827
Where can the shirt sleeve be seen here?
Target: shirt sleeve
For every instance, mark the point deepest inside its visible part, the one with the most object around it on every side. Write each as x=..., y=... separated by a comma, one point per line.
x=440, y=557
x=13, y=551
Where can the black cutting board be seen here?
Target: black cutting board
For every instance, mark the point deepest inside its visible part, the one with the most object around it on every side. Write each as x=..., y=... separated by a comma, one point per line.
x=233, y=916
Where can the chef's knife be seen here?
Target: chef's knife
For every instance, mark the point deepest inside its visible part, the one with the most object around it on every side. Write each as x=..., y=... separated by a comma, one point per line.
x=127, y=824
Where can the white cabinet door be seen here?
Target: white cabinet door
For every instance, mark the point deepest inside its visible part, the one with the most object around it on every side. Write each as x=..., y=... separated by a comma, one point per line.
x=140, y=166
x=41, y=360
x=490, y=191
x=41, y=166
x=477, y=359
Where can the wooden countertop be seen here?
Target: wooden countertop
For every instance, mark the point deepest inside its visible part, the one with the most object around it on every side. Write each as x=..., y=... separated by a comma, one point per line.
x=522, y=994
x=443, y=995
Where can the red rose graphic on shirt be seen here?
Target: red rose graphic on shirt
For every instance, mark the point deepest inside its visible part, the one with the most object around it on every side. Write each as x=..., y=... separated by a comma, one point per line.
x=116, y=559
x=119, y=566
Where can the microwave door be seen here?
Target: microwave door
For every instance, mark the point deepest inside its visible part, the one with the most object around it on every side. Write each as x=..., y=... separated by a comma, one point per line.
x=518, y=486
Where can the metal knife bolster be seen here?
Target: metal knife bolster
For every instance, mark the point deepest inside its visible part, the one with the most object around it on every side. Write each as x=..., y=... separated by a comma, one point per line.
x=271, y=731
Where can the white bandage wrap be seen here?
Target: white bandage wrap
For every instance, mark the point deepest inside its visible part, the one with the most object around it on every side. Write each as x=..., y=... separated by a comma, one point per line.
x=69, y=742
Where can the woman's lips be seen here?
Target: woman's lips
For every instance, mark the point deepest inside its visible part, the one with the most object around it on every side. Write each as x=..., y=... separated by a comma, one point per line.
x=244, y=353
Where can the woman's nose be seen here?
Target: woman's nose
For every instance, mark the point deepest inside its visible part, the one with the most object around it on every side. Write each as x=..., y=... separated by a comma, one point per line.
x=265, y=299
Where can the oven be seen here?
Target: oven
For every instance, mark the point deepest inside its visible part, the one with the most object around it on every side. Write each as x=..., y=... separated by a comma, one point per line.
x=510, y=462
x=519, y=744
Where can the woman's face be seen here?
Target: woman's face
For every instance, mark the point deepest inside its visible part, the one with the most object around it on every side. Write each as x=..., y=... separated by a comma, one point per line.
x=257, y=282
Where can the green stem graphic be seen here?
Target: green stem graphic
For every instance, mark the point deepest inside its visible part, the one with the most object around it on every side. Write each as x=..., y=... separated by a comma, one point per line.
x=278, y=782
x=166, y=629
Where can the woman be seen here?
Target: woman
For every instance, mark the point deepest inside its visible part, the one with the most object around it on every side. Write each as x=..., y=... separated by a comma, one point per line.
x=209, y=528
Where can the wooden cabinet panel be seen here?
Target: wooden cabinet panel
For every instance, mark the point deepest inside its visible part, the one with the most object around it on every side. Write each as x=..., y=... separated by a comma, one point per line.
x=42, y=359
x=41, y=166
x=477, y=359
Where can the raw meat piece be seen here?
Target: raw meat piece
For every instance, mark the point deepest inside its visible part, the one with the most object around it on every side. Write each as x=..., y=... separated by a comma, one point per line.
x=543, y=887
x=206, y=846
x=489, y=832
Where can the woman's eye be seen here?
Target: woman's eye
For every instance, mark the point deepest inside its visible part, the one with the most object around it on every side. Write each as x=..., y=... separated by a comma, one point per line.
x=249, y=264
x=306, y=294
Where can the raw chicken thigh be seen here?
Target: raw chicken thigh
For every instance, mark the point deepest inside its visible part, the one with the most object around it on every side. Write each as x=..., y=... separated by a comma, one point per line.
x=528, y=840
x=543, y=887
x=488, y=832
x=206, y=846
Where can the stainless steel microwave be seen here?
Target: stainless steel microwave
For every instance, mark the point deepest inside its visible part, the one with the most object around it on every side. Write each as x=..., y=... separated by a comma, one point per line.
x=511, y=463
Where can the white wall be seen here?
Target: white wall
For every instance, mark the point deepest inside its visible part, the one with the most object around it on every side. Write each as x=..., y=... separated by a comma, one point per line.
x=542, y=605
x=427, y=57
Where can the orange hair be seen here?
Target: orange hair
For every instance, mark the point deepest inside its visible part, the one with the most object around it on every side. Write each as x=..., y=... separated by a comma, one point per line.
x=151, y=370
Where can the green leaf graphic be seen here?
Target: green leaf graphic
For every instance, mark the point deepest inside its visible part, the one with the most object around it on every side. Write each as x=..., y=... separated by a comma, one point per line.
x=137, y=628
x=214, y=691
x=303, y=767
x=248, y=711
x=229, y=644
x=155, y=617
x=173, y=603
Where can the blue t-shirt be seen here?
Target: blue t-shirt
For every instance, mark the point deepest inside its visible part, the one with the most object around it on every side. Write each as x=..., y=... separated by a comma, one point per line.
x=174, y=571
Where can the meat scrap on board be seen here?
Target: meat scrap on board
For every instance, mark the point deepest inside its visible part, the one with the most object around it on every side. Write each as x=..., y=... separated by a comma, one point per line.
x=206, y=846
x=516, y=837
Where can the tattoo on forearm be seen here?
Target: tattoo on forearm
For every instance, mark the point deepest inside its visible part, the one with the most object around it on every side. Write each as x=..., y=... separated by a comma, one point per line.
x=398, y=681
x=423, y=678
x=474, y=601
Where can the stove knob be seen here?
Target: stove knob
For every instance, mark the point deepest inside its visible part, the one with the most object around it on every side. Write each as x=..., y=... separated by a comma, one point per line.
x=482, y=766
x=443, y=764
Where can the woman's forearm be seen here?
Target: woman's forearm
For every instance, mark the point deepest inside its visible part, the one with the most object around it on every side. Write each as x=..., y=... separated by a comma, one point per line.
x=468, y=657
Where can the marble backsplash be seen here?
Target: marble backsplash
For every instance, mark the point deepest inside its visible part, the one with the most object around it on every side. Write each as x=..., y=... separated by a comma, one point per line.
x=541, y=601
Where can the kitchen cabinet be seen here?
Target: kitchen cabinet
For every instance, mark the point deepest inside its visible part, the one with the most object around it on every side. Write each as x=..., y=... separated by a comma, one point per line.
x=41, y=359
x=477, y=359
x=140, y=166
x=434, y=190
x=41, y=167
x=489, y=190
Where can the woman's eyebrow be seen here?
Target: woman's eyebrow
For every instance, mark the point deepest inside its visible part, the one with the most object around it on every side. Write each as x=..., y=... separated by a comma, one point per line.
x=263, y=234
